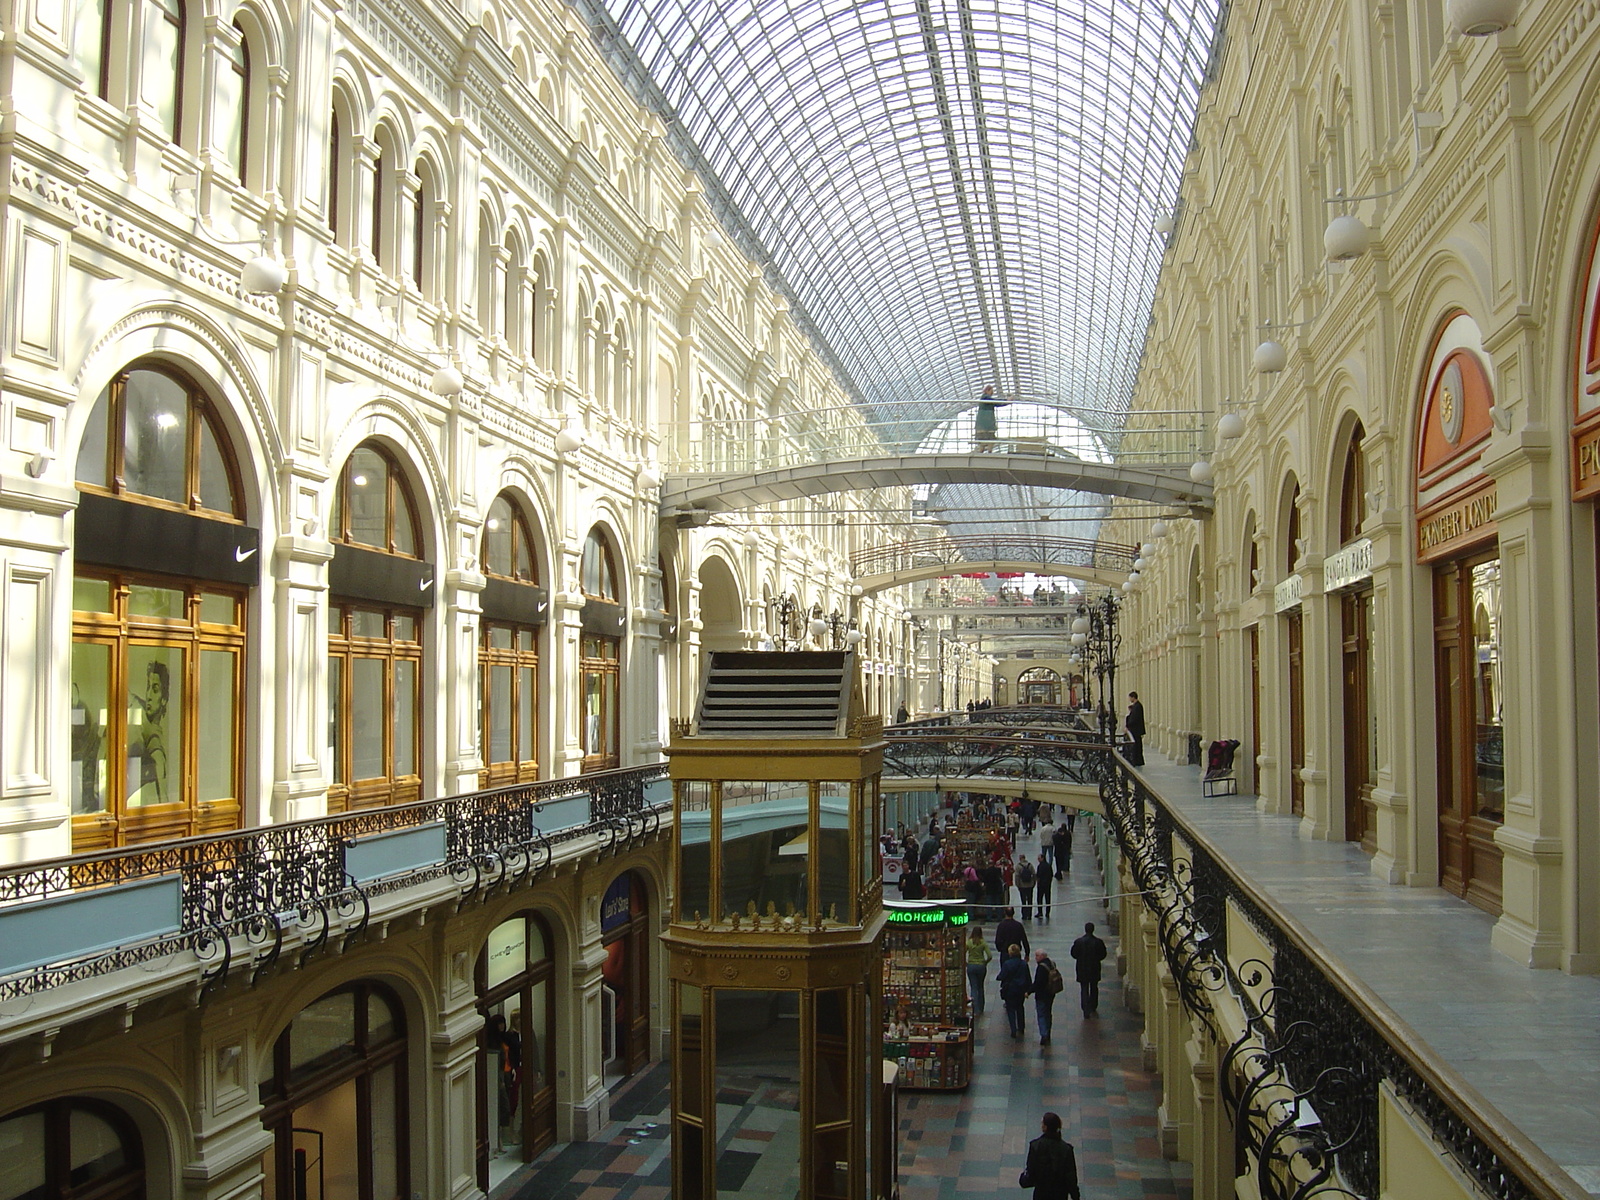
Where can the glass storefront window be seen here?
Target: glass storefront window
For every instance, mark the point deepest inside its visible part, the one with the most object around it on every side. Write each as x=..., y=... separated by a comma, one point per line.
x=1489, y=748
x=155, y=725
x=835, y=899
x=758, y=1060
x=91, y=715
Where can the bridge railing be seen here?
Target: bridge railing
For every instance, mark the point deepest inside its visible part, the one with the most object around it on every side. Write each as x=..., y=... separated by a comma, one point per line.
x=1047, y=550
x=1302, y=1081
x=998, y=750
x=73, y=918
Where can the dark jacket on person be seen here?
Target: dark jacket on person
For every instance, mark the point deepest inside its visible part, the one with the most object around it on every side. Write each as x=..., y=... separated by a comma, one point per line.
x=1041, y=981
x=1013, y=977
x=910, y=886
x=1052, y=1168
x=1009, y=933
x=1088, y=952
x=1135, y=719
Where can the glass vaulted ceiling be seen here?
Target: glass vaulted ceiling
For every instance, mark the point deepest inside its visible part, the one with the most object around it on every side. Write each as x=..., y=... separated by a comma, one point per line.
x=951, y=192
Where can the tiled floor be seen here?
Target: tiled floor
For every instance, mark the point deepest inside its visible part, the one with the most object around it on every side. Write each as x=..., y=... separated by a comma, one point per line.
x=953, y=1144
x=1529, y=1041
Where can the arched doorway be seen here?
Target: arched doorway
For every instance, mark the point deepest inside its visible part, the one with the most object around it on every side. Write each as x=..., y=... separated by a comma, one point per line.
x=625, y=933
x=1039, y=685
x=721, y=616
x=516, y=1061
x=336, y=1104
x=164, y=567
x=73, y=1148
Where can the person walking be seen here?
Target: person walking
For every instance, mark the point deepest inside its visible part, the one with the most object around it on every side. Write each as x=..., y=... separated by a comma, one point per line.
x=1134, y=723
x=979, y=956
x=1047, y=831
x=1052, y=1170
x=1089, y=952
x=1041, y=889
x=1061, y=843
x=1014, y=988
x=1025, y=879
x=1047, y=982
x=910, y=885
x=1010, y=932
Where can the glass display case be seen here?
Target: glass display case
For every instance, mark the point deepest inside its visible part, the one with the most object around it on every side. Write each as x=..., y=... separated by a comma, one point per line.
x=927, y=1024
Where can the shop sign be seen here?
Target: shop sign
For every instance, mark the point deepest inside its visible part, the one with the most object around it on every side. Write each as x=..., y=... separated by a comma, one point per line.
x=925, y=916
x=1353, y=564
x=1586, y=463
x=1287, y=594
x=1457, y=525
x=617, y=906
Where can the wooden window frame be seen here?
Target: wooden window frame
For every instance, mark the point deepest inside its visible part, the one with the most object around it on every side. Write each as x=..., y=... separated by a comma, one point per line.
x=594, y=662
x=120, y=631
x=345, y=793
x=201, y=409
x=521, y=540
x=1353, y=488
x=242, y=67
x=397, y=499
x=606, y=582
x=282, y=1094
x=125, y=1184
x=523, y=766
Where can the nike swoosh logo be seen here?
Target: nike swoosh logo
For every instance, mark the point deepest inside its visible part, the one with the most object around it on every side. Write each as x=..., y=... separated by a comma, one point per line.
x=240, y=554
x=424, y=585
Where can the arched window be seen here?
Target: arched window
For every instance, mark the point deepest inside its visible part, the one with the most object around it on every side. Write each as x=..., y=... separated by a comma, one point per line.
x=1291, y=539
x=91, y=44
x=153, y=436
x=1353, y=488
x=508, y=664
x=599, y=577
x=374, y=642
x=336, y=1104
x=338, y=166
x=238, y=104
x=516, y=1068
x=161, y=74
x=539, y=298
x=421, y=218
x=157, y=655
x=512, y=325
x=599, y=655
x=373, y=505
x=380, y=200
x=71, y=1149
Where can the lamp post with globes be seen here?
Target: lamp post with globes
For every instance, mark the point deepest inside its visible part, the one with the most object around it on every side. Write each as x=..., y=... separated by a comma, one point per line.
x=1096, y=639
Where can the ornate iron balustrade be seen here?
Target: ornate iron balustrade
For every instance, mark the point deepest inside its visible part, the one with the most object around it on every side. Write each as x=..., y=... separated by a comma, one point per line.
x=264, y=884
x=1044, y=550
x=1302, y=1081
x=997, y=751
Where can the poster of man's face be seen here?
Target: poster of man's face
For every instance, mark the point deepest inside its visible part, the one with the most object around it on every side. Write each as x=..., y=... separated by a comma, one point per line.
x=155, y=716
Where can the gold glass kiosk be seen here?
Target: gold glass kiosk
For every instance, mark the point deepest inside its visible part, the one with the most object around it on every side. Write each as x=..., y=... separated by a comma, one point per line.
x=775, y=939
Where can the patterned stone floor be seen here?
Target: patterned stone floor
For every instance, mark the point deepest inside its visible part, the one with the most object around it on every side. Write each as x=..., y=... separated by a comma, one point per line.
x=953, y=1144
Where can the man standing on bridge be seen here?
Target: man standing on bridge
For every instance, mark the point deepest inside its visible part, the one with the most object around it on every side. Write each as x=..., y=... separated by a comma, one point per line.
x=986, y=423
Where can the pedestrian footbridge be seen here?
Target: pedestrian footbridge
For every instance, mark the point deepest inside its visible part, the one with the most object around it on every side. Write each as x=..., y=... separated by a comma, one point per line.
x=693, y=498
x=879, y=568
x=1051, y=764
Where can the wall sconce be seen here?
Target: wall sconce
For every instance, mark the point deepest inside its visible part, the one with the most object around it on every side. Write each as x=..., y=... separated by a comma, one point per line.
x=1480, y=18
x=568, y=440
x=1270, y=357
x=1200, y=471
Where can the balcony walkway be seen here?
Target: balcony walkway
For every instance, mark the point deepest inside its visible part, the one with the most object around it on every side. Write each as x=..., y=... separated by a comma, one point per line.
x=1528, y=1041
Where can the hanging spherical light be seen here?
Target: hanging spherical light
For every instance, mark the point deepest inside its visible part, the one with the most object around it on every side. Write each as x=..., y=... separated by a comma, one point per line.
x=751, y=539
x=447, y=381
x=1480, y=18
x=1160, y=530
x=818, y=627
x=264, y=275
x=1079, y=639
x=1230, y=426
x=1164, y=224
x=1129, y=586
x=1200, y=472
x=1138, y=563
x=1270, y=357
x=568, y=440
x=647, y=479
x=1080, y=625
x=1345, y=238
x=1147, y=550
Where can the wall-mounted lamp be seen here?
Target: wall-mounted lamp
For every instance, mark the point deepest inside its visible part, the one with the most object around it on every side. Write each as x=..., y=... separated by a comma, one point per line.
x=1165, y=223
x=1231, y=425
x=1270, y=357
x=1200, y=471
x=1160, y=530
x=447, y=381
x=647, y=480
x=568, y=440
x=1346, y=237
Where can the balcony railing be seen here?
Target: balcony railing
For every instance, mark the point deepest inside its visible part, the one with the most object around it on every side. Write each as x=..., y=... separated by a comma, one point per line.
x=1063, y=754
x=74, y=918
x=1302, y=1081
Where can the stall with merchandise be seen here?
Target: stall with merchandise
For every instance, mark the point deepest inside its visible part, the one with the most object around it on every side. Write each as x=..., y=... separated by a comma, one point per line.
x=927, y=1028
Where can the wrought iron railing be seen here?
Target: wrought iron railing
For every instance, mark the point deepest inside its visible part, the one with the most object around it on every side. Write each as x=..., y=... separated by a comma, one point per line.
x=264, y=884
x=1302, y=1081
x=1017, y=749
x=953, y=551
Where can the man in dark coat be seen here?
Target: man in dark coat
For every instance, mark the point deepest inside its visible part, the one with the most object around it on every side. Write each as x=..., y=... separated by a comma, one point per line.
x=1042, y=881
x=1015, y=984
x=1009, y=932
x=1052, y=1170
x=1044, y=996
x=1135, y=727
x=1061, y=848
x=1089, y=952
